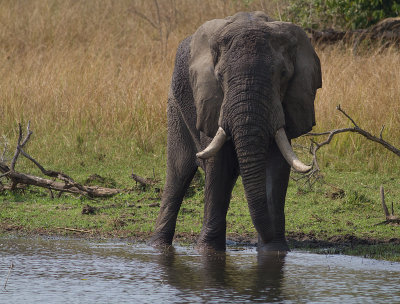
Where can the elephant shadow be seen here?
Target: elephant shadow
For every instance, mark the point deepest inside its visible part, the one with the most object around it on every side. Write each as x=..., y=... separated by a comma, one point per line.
x=224, y=275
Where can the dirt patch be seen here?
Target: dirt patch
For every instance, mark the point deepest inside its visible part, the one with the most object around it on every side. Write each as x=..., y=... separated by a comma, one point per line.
x=303, y=240
x=87, y=209
x=98, y=180
x=335, y=194
x=10, y=228
x=296, y=240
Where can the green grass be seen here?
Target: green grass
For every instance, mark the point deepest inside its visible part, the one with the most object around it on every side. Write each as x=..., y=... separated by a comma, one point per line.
x=347, y=203
x=344, y=205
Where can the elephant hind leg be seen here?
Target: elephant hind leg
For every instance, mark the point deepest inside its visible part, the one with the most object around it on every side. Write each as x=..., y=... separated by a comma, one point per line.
x=181, y=168
x=174, y=191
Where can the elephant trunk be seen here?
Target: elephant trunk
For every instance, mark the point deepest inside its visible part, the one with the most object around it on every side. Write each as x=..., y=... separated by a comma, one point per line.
x=251, y=152
x=252, y=116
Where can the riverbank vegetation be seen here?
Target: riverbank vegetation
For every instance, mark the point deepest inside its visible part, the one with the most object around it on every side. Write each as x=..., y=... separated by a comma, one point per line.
x=341, y=215
x=92, y=77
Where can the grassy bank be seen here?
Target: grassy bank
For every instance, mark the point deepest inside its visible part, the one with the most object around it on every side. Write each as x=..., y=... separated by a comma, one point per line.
x=341, y=215
x=93, y=78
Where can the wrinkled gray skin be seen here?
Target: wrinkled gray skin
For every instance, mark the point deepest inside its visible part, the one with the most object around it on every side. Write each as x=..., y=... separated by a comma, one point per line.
x=251, y=76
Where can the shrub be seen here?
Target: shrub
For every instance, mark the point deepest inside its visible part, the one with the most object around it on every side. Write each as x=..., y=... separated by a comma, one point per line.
x=342, y=14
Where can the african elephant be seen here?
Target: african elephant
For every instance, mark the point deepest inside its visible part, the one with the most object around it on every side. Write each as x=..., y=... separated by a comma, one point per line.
x=242, y=87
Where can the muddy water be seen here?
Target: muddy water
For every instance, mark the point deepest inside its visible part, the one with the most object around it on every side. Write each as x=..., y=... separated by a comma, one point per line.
x=79, y=271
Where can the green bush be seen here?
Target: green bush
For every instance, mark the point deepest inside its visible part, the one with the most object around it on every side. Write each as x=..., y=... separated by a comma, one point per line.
x=342, y=14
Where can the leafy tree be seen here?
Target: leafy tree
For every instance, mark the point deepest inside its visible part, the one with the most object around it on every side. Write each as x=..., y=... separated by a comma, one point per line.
x=344, y=14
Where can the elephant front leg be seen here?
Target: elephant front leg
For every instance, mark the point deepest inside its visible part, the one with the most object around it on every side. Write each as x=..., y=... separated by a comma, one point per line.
x=220, y=177
x=278, y=172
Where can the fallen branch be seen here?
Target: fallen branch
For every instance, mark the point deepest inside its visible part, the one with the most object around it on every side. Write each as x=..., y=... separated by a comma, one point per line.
x=76, y=188
x=74, y=230
x=67, y=184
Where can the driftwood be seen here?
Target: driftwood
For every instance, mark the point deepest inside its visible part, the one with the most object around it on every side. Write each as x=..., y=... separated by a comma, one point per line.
x=74, y=230
x=8, y=275
x=386, y=32
x=315, y=173
x=65, y=183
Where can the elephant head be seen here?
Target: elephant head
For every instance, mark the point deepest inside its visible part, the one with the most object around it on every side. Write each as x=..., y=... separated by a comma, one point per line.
x=254, y=80
x=247, y=54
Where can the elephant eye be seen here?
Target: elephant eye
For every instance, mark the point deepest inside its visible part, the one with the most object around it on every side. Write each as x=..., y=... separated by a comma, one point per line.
x=220, y=82
x=226, y=41
x=219, y=77
x=283, y=74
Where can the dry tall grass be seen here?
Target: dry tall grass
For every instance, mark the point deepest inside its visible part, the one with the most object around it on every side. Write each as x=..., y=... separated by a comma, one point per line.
x=98, y=72
x=368, y=88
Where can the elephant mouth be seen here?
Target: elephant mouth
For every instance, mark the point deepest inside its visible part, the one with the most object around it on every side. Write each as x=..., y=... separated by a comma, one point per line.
x=280, y=138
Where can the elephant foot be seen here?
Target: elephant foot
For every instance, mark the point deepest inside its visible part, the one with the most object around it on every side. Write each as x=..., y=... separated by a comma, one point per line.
x=213, y=245
x=204, y=248
x=160, y=241
x=211, y=241
x=273, y=247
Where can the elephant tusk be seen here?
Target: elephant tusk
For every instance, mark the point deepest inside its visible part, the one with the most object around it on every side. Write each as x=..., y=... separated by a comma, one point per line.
x=215, y=145
x=288, y=153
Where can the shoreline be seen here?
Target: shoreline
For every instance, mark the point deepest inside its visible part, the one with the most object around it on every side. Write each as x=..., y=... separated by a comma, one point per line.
x=341, y=244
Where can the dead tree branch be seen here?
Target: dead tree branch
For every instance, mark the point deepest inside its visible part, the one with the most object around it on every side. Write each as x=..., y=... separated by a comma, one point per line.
x=390, y=218
x=50, y=173
x=67, y=184
x=3, y=155
x=163, y=18
x=20, y=144
x=385, y=209
x=355, y=129
x=315, y=146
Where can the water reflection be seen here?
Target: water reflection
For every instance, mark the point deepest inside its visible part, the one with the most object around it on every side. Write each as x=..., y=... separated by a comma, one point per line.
x=260, y=278
x=79, y=271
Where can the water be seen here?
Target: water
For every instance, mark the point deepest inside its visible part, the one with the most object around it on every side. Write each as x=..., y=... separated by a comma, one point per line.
x=81, y=271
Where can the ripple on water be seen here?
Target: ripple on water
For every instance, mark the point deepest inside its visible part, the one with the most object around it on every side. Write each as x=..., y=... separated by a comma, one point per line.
x=54, y=270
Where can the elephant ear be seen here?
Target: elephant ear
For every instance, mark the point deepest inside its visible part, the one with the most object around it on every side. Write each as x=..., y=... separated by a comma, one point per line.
x=207, y=91
x=298, y=102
